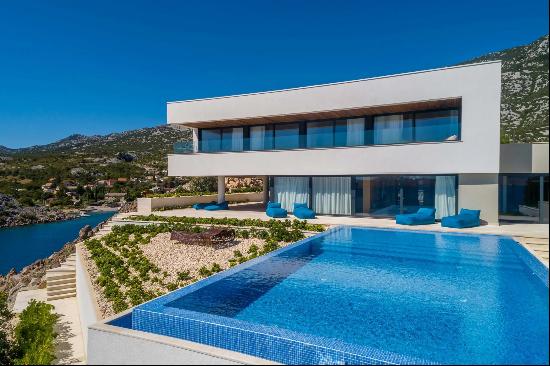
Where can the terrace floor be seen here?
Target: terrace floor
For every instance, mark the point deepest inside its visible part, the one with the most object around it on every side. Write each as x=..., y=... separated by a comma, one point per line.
x=533, y=236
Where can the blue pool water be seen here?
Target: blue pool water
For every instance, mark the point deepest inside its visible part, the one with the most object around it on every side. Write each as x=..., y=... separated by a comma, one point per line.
x=21, y=246
x=360, y=295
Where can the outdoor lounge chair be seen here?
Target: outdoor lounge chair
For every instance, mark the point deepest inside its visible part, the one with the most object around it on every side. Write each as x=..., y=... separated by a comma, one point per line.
x=424, y=216
x=214, y=236
x=301, y=211
x=201, y=206
x=275, y=210
x=217, y=206
x=466, y=218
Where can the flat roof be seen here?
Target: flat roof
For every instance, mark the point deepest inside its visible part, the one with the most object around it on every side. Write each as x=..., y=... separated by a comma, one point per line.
x=336, y=83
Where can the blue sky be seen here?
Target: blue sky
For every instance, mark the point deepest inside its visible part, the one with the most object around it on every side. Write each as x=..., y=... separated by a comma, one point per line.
x=95, y=67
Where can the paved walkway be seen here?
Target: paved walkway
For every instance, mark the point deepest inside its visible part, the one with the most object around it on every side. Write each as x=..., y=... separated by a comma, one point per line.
x=69, y=342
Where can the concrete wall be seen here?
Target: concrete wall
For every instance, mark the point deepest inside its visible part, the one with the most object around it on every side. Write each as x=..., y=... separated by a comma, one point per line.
x=139, y=348
x=87, y=304
x=148, y=205
x=478, y=86
x=479, y=192
x=426, y=158
x=524, y=158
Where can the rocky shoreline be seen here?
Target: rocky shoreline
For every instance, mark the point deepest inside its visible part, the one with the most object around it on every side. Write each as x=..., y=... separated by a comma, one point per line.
x=32, y=276
x=12, y=214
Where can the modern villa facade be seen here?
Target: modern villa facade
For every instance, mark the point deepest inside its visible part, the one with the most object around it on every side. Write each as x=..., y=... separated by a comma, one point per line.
x=371, y=147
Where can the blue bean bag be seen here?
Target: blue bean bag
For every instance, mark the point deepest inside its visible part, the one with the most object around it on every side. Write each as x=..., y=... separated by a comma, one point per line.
x=217, y=206
x=201, y=206
x=275, y=210
x=424, y=216
x=301, y=211
x=466, y=218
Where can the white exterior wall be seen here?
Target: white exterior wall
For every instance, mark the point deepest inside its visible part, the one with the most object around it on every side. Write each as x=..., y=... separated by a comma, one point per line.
x=478, y=151
x=87, y=304
x=479, y=192
x=139, y=348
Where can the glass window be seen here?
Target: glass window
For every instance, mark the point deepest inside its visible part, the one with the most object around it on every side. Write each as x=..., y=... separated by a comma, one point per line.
x=393, y=129
x=320, y=134
x=232, y=139
x=287, y=136
x=331, y=195
x=355, y=131
x=257, y=138
x=211, y=140
x=437, y=126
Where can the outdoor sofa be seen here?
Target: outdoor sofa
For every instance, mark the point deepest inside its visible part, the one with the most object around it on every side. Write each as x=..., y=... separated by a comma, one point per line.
x=275, y=210
x=466, y=218
x=301, y=211
x=424, y=216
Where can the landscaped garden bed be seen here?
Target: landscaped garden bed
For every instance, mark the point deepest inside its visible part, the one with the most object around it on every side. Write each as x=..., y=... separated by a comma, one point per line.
x=135, y=263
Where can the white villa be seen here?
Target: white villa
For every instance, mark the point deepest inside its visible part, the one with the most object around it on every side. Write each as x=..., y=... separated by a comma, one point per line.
x=373, y=147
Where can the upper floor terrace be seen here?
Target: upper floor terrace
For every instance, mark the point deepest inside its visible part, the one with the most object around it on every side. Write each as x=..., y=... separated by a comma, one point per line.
x=436, y=121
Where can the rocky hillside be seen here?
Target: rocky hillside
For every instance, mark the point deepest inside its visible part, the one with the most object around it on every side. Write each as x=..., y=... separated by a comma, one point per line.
x=524, y=111
x=144, y=144
x=13, y=214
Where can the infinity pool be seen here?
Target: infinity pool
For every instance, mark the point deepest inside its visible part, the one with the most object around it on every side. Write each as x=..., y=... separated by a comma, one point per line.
x=356, y=295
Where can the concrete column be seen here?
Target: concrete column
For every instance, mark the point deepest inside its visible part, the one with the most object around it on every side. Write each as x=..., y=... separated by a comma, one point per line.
x=266, y=189
x=479, y=192
x=195, y=139
x=541, y=199
x=221, y=188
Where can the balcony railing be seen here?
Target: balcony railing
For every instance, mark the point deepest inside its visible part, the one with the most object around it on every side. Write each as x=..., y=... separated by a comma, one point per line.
x=183, y=147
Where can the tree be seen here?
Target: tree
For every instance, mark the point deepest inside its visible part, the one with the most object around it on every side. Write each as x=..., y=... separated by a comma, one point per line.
x=6, y=342
x=35, y=335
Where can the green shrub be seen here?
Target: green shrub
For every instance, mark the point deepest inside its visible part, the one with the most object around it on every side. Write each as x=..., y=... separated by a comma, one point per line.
x=7, y=348
x=184, y=276
x=34, y=334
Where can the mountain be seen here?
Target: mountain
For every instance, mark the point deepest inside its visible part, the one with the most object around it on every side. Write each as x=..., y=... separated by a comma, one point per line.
x=524, y=108
x=144, y=144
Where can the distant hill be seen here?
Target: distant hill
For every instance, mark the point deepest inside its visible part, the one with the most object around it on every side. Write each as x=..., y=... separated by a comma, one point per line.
x=144, y=143
x=524, y=109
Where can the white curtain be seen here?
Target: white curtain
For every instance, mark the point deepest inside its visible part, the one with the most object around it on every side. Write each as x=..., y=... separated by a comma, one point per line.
x=390, y=129
x=237, y=139
x=332, y=195
x=290, y=190
x=355, y=132
x=445, y=196
x=257, y=138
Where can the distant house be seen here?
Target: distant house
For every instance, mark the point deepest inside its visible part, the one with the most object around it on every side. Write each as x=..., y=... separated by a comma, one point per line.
x=115, y=197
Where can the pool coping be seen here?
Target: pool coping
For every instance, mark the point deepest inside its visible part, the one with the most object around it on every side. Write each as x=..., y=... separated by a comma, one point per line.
x=152, y=312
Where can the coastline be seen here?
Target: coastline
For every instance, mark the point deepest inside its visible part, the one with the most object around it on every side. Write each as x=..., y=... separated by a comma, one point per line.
x=32, y=275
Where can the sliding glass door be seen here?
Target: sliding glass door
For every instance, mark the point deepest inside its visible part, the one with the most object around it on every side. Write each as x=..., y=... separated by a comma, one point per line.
x=331, y=195
x=382, y=195
x=390, y=195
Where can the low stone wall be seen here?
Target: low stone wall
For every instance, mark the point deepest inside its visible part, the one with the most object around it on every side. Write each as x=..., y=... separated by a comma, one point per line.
x=148, y=205
x=87, y=304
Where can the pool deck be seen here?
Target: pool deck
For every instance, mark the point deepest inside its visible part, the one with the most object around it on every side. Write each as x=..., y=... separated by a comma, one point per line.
x=533, y=236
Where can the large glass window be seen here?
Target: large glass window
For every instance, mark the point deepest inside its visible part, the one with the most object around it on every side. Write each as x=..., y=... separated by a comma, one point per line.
x=399, y=128
x=232, y=139
x=392, y=195
x=393, y=129
x=520, y=198
x=320, y=134
x=287, y=136
x=331, y=195
x=258, y=138
x=436, y=126
x=290, y=190
x=211, y=140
